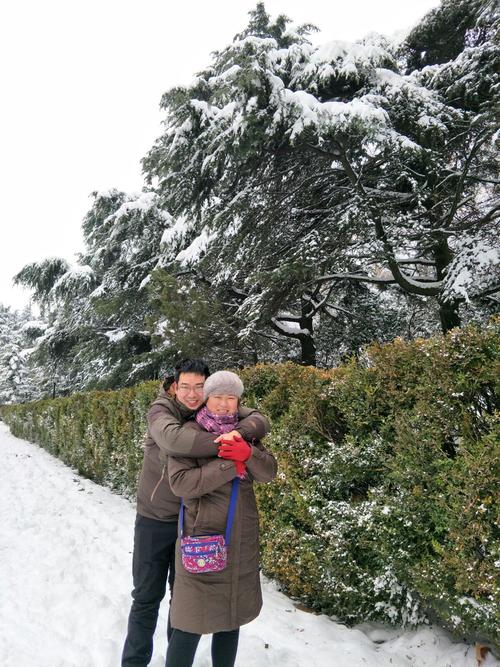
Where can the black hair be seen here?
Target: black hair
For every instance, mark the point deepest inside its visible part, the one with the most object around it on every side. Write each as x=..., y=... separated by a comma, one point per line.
x=197, y=366
x=168, y=380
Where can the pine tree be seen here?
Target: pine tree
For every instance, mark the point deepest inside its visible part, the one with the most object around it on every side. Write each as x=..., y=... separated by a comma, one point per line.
x=316, y=167
x=19, y=331
x=96, y=310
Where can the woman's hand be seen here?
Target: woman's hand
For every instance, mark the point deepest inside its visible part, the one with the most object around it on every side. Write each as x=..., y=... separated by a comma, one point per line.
x=232, y=435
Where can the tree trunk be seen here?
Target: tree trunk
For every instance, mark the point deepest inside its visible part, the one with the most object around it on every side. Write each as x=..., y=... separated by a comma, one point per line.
x=448, y=310
x=255, y=354
x=305, y=337
x=307, y=351
x=307, y=344
x=449, y=315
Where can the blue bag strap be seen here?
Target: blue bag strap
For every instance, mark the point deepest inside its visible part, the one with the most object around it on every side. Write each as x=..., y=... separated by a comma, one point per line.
x=181, y=517
x=232, y=509
x=230, y=514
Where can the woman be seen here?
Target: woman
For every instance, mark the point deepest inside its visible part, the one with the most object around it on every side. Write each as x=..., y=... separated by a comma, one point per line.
x=218, y=603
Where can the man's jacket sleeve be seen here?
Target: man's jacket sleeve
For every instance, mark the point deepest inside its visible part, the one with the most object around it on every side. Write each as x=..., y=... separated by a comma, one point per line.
x=176, y=439
x=261, y=465
x=252, y=425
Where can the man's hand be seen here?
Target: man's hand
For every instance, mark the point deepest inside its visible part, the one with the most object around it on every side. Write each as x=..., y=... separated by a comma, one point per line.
x=235, y=449
x=232, y=435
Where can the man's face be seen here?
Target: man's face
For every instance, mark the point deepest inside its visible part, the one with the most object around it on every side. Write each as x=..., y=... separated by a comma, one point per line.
x=189, y=390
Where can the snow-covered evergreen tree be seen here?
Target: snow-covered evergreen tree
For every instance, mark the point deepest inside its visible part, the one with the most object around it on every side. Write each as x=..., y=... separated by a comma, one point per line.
x=122, y=235
x=19, y=331
x=302, y=201
x=96, y=309
x=293, y=170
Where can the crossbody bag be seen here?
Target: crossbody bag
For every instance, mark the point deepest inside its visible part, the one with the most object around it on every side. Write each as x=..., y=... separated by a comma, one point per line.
x=207, y=553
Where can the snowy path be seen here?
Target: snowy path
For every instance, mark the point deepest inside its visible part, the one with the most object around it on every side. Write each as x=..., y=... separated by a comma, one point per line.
x=65, y=561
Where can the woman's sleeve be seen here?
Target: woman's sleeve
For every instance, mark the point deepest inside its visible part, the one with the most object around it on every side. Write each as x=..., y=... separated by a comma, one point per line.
x=190, y=480
x=261, y=465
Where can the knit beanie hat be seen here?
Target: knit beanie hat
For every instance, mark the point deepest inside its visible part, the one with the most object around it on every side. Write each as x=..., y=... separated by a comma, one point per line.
x=223, y=382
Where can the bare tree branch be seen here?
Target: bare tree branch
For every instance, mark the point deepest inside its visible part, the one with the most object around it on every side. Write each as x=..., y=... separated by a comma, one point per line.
x=406, y=282
x=461, y=181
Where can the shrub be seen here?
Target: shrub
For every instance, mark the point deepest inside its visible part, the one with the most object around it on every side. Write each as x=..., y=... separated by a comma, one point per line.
x=385, y=506
x=99, y=433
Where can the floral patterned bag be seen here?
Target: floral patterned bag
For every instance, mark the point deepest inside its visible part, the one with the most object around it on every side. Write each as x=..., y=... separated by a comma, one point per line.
x=207, y=553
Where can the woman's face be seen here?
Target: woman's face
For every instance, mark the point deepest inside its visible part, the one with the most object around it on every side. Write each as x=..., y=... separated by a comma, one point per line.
x=222, y=404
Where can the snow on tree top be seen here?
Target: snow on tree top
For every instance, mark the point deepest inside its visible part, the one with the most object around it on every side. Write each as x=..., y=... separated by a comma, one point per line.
x=226, y=74
x=291, y=78
x=110, y=193
x=195, y=249
x=350, y=59
x=255, y=43
x=175, y=232
x=76, y=280
x=142, y=202
x=75, y=272
x=34, y=324
x=306, y=110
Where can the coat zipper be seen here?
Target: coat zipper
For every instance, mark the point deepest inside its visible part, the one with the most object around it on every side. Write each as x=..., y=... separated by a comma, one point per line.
x=158, y=484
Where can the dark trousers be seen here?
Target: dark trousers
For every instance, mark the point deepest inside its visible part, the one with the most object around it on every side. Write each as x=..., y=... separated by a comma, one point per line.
x=182, y=648
x=153, y=563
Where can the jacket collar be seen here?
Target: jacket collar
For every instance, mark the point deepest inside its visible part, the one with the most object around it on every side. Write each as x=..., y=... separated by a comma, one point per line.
x=183, y=409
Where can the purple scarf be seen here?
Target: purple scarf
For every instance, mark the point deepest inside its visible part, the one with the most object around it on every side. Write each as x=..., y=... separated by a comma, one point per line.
x=218, y=424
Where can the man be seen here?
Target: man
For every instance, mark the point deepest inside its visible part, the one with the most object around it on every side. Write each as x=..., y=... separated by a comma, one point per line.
x=169, y=433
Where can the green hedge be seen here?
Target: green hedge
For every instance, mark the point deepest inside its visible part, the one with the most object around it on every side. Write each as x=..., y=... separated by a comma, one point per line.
x=99, y=433
x=385, y=506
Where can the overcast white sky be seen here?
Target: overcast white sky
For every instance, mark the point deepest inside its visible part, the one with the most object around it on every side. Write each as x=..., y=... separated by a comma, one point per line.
x=80, y=88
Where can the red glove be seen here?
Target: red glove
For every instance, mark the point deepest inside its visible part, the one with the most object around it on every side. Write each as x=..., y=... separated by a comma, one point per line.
x=235, y=450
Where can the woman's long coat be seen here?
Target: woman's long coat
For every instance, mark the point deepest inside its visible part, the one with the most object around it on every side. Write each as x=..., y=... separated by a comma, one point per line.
x=218, y=601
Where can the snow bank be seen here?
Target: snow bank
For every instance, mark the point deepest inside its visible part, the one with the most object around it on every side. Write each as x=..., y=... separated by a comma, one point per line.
x=65, y=562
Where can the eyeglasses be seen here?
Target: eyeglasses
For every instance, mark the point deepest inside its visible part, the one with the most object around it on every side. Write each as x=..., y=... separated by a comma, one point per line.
x=188, y=389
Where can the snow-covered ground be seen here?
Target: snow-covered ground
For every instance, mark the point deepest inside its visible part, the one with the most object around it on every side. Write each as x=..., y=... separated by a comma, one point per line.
x=65, y=562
